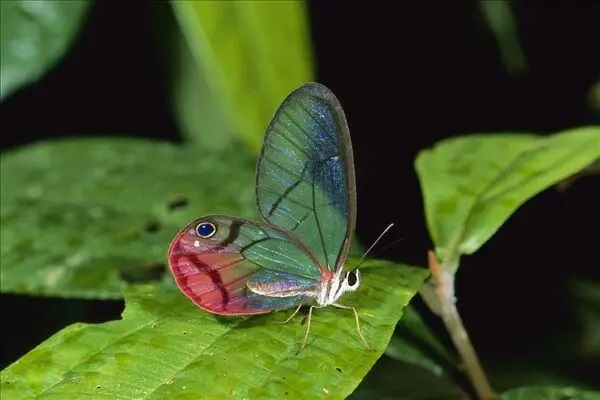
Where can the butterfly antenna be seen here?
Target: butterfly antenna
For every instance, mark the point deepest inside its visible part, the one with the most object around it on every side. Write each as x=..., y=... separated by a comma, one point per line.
x=395, y=242
x=362, y=259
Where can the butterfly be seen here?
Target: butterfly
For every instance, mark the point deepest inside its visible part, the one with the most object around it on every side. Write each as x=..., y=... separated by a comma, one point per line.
x=306, y=195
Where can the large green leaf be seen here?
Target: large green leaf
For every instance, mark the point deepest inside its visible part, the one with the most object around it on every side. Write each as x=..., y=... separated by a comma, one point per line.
x=472, y=184
x=164, y=348
x=549, y=393
x=233, y=63
x=34, y=35
x=85, y=217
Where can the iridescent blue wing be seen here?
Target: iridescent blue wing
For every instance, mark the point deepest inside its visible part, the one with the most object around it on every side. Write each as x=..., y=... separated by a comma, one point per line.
x=305, y=174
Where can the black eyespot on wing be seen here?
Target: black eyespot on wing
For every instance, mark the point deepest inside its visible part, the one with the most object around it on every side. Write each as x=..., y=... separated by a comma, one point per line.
x=352, y=278
x=205, y=230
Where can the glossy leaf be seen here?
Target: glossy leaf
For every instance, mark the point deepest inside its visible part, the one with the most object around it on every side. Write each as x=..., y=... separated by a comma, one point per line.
x=472, y=184
x=83, y=218
x=549, y=393
x=34, y=35
x=165, y=347
x=233, y=63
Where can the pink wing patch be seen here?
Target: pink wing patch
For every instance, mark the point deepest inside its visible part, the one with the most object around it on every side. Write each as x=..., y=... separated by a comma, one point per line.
x=214, y=281
x=212, y=272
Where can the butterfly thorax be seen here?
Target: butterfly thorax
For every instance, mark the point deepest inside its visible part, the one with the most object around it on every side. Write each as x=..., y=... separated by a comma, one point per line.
x=332, y=289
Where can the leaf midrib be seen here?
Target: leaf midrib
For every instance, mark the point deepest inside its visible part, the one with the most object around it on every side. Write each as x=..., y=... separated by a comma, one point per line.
x=453, y=253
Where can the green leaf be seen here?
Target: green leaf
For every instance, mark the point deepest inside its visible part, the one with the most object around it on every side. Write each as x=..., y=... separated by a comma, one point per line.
x=586, y=301
x=549, y=393
x=413, y=343
x=392, y=380
x=502, y=24
x=165, y=347
x=34, y=35
x=591, y=170
x=472, y=184
x=233, y=63
x=83, y=218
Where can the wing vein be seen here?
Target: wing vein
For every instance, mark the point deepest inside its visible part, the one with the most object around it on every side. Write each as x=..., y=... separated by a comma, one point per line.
x=309, y=138
x=275, y=192
x=221, y=285
x=296, y=145
x=287, y=191
x=330, y=135
x=218, y=266
x=319, y=224
x=253, y=243
x=295, y=175
x=301, y=220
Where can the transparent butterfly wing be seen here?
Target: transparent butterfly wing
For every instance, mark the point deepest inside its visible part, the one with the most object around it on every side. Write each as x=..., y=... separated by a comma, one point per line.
x=305, y=174
x=244, y=268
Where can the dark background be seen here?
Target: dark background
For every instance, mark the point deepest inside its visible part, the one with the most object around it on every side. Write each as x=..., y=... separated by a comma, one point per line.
x=407, y=77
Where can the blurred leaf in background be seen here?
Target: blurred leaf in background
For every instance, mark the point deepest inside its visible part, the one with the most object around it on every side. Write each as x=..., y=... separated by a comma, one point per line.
x=392, y=380
x=586, y=298
x=502, y=24
x=231, y=63
x=34, y=35
x=81, y=218
x=165, y=347
x=594, y=100
x=414, y=343
x=549, y=393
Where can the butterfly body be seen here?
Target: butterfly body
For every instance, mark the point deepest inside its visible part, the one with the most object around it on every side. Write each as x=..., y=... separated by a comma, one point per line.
x=305, y=190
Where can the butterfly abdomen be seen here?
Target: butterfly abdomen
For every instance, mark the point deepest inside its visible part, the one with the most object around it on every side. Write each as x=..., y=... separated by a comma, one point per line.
x=280, y=284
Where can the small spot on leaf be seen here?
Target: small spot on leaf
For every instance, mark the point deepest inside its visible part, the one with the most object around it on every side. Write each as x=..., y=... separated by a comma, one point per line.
x=152, y=226
x=338, y=369
x=178, y=203
x=447, y=206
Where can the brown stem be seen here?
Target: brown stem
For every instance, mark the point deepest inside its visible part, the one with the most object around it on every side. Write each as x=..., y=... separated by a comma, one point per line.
x=443, y=304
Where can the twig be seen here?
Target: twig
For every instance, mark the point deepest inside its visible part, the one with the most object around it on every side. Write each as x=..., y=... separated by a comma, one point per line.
x=441, y=300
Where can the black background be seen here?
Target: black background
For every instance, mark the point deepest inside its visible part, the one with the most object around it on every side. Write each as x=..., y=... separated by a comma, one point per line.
x=407, y=77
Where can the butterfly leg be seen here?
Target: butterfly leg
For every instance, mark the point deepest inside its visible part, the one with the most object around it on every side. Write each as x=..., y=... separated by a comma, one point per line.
x=307, y=328
x=357, y=322
x=291, y=316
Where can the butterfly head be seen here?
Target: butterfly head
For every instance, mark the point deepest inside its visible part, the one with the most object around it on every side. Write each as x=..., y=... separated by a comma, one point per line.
x=345, y=282
x=351, y=281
